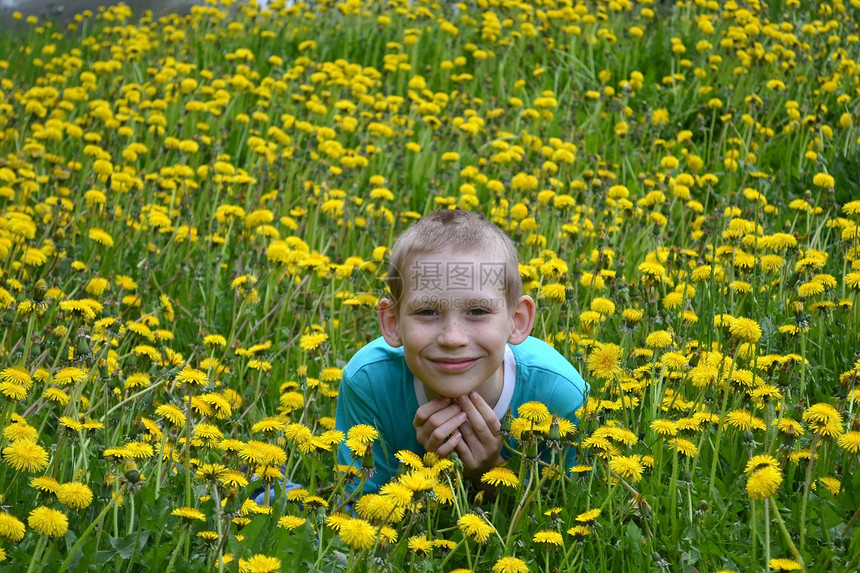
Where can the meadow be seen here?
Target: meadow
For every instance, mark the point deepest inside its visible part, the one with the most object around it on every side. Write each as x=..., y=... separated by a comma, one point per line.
x=195, y=218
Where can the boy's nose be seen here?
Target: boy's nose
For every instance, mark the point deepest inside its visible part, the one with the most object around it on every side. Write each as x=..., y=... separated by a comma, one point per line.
x=452, y=333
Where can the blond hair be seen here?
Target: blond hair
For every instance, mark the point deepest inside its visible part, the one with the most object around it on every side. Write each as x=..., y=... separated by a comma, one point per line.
x=454, y=231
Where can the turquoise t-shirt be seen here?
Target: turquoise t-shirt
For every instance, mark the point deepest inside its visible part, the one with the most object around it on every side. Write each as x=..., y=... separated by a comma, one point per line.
x=377, y=389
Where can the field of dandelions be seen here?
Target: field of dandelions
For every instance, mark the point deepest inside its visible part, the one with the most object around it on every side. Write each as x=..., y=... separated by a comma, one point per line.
x=195, y=218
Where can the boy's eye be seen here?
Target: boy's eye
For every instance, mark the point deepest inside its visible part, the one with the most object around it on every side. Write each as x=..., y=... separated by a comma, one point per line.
x=479, y=311
x=426, y=312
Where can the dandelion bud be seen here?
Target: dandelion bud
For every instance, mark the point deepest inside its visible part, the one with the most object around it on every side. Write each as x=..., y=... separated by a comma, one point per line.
x=133, y=476
x=505, y=429
x=83, y=348
x=458, y=463
x=531, y=450
x=367, y=461
x=749, y=438
x=554, y=432
x=553, y=439
x=39, y=290
x=658, y=559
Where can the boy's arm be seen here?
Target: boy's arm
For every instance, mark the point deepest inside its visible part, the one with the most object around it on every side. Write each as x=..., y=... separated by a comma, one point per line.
x=354, y=407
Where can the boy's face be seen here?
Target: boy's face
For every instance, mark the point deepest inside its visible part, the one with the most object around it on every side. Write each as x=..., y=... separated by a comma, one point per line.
x=453, y=323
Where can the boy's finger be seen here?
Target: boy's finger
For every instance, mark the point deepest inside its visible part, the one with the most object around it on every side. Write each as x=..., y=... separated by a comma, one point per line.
x=485, y=429
x=465, y=453
x=449, y=445
x=434, y=406
x=433, y=436
x=444, y=415
x=425, y=412
x=486, y=412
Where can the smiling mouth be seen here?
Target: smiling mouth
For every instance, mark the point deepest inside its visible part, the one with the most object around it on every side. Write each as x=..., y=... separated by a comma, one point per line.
x=458, y=365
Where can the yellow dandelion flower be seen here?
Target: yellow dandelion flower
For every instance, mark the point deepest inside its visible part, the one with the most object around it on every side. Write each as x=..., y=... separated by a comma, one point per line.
x=510, y=565
x=589, y=516
x=822, y=414
x=69, y=375
x=100, y=236
x=75, y=495
x=312, y=341
x=604, y=361
x=554, y=292
x=13, y=391
x=832, y=484
x=358, y=533
x=579, y=531
x=850, y=442
x=664, y=427
x=172, y=414
x=25, y=456
x=49, y=522
x=259, y=564
x=760, y=461
x=45, y=484
x=189, y=513
x=192, y=376
x=534, y=412
x=823, y=180
x=548, y=539
x=362, y=433
x=658, y=339
x=684, y=447
x=410, y=459
x=475, y=527
x=629, y=467
x=784, y=565
x=419, y=544
x=745, y=329
x=213, y=340
x=11, y=528
x=500, y=476
x=17, y=375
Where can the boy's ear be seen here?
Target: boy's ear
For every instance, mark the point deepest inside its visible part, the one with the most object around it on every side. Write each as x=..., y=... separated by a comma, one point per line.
x=388, y=323
x=523, y=318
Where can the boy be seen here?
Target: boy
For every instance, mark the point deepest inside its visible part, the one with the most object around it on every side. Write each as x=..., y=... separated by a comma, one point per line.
x=455, y=351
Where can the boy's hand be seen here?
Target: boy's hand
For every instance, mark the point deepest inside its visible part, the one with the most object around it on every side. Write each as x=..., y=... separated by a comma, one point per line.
x=437, y=425
x=480, y=447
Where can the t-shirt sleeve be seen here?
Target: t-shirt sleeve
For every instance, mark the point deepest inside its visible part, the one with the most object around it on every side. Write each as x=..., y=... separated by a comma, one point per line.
x=356, y=405
x=569, y=395
x=575, y=395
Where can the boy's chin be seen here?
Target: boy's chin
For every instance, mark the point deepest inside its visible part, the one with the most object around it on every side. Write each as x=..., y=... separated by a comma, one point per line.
x=431, y=394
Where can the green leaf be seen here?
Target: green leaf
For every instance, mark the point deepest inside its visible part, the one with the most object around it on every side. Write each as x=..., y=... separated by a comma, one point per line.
x=125, y=546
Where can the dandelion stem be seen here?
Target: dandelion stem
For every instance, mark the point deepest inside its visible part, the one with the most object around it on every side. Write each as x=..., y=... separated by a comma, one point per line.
x=160, y=461
x=850, y=522
x=766, y=532
x=806, y=485
x=450, y=554
x=754, y=528
x=37, y=554
x=182, y=537
x=784, y=531
x=673, y=498
x=86, y=534
x=517, y=513
x=715, y=462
